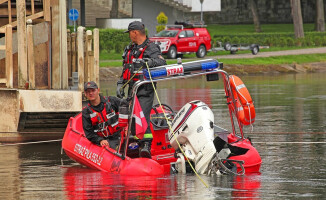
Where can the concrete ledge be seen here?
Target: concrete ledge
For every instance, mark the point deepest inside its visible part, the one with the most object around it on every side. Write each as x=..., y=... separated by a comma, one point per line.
x=14, y=102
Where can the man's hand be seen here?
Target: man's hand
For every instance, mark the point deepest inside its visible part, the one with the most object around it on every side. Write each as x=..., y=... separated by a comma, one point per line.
x=120, y=90
x=149, y=62
x=104, y=143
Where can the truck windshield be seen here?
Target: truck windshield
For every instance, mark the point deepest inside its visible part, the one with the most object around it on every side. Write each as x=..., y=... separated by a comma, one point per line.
x=167, y=33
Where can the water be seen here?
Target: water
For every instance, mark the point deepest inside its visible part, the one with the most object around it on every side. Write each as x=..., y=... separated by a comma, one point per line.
x=289, y=133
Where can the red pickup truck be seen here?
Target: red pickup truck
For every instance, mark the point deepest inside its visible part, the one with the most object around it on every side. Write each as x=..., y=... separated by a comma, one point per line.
x=177, y=39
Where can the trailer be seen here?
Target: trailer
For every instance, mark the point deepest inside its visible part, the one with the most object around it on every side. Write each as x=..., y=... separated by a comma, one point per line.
x=233, y=48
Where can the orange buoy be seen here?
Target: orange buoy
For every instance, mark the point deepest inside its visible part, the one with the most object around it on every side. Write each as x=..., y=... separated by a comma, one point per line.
x=244, y=104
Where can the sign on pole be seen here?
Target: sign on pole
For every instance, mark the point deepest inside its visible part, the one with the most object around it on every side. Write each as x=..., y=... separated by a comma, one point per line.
x=73, y=16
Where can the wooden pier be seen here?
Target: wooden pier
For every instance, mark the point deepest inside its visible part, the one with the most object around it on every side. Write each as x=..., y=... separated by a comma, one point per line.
x=43, y=68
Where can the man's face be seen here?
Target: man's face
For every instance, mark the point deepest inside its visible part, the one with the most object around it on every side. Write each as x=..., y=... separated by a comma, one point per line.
x=91, y=94
x=133, y=35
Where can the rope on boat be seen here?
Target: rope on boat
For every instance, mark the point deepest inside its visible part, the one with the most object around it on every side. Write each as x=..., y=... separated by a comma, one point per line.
x=22, y=143
x=150, y=77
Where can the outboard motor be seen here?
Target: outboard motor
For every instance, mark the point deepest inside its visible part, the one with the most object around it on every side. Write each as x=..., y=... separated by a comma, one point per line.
x=193, y=128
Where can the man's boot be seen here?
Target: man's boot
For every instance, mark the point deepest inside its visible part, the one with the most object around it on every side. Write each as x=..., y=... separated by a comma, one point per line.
x=145, y=152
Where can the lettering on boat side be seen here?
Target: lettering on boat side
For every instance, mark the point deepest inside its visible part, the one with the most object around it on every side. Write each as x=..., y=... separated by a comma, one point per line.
x=115, y=166
x=86, y=153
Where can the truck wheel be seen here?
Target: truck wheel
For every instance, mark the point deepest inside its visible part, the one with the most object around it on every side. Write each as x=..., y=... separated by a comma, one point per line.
x=201, y=51
x=172, y=53
x=227, y=46
x=255, y=50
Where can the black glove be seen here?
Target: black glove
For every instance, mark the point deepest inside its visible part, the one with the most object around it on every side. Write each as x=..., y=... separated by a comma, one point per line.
x=149, y=62
x=120, y=90
x=124, y=102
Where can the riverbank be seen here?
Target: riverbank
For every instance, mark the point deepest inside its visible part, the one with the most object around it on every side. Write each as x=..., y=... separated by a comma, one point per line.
x=113, y=73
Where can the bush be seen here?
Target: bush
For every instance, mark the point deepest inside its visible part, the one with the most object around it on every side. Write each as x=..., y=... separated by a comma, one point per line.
x=282, y=42
x=162, y=18
x=109, y=37
x=160, y=28
x=318, y=41
x=290, y=41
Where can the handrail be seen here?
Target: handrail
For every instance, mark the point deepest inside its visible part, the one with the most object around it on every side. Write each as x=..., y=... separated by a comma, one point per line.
x=140, y=83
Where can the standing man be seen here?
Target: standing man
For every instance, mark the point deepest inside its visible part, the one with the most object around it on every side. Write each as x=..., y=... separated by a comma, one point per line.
x=135, y=55
x=100, y=117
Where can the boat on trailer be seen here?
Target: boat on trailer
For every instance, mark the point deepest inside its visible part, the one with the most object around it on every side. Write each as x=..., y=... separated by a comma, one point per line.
x=183, y=141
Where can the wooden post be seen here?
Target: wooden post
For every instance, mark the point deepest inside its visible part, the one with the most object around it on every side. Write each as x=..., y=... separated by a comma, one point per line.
x=73, y=52
x=86, y=76
x=69, y=53
x=80, y=49
x=30, y=55
x=32, y=5
x=22, y=53
x=55, y=45
x=9, y=11
x=63, y=45
x=9, y=57
x=96, y=55
x=88, y=53
x=46, y=9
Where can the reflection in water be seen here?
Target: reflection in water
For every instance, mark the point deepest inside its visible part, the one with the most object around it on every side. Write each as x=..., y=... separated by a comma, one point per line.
x=81, y=183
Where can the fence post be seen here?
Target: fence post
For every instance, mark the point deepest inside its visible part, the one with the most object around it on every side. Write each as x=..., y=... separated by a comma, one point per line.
x=89, y=56
x=80, y=49
x=73, y=52
x=30, y=55
x=21, y=32
x=9, y=57
x=46, y=10
x=96, y=55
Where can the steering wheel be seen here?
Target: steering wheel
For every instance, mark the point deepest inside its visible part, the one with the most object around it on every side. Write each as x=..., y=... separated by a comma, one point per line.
x=158, y=119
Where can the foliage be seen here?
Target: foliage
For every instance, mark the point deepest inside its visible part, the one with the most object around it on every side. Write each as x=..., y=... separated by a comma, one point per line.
x=162, y=20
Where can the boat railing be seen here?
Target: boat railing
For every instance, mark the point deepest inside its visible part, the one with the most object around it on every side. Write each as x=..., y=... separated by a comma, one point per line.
x=176, y=77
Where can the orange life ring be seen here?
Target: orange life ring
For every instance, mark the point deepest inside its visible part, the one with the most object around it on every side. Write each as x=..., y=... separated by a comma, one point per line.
x=244, y=104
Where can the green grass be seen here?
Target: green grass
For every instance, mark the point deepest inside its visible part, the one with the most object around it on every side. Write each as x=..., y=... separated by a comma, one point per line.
x=289, y=59
x=249, y=28
x=309, y=58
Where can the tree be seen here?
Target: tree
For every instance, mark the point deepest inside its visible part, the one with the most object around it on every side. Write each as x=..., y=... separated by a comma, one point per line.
x=297, y=18
x=320, y=19
x=255, y=16
x=114, y=10
x=162, y=20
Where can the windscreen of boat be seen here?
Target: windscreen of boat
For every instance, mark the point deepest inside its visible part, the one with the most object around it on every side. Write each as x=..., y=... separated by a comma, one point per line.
x=167, y=33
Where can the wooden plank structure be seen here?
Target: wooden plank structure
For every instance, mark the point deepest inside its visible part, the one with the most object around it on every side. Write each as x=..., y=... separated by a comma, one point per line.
x=38, y=58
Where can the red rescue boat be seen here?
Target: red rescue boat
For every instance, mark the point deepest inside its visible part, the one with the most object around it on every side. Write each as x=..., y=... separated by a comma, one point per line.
x=188, y=137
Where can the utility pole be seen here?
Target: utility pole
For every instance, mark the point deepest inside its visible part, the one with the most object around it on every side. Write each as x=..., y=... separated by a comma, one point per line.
x=201, y=10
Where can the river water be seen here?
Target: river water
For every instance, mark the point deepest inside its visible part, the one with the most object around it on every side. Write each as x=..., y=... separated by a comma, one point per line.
x=289, y=133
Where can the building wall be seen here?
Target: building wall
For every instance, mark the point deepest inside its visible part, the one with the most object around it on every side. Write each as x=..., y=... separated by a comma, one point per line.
x=148, y=10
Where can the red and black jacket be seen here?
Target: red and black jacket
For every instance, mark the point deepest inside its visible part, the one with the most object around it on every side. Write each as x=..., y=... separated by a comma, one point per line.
x=101, y=121
x=133, y=52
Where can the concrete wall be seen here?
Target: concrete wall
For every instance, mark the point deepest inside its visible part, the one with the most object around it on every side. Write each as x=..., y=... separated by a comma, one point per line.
x=13, y=102
x=115, y=23
x=148, y=10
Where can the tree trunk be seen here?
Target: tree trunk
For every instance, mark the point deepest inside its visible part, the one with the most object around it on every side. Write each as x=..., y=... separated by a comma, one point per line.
x=320, y=19
x=297, y=18
x=255, y=16
x=114, y=10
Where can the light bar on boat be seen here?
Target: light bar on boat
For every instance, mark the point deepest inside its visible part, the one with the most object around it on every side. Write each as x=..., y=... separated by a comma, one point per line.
x=180, y=69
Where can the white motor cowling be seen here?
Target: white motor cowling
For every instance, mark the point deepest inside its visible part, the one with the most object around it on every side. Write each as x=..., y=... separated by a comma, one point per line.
x=193, y=129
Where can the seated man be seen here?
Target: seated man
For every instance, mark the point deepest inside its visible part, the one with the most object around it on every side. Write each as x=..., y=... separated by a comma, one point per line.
x=100, y=118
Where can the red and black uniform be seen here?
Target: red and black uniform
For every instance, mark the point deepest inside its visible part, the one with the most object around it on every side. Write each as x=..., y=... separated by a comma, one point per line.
x=132, y=53
x=101, y=122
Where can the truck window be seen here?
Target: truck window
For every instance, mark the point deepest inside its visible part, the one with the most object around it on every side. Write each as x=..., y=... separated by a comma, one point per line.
x=190, y=33
x=182, y=34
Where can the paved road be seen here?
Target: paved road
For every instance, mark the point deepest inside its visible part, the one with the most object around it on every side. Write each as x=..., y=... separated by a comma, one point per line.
x=277, y=53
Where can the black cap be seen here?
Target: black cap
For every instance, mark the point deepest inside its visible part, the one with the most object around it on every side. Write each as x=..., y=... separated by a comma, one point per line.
x=90, y=85
x=135, y=25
